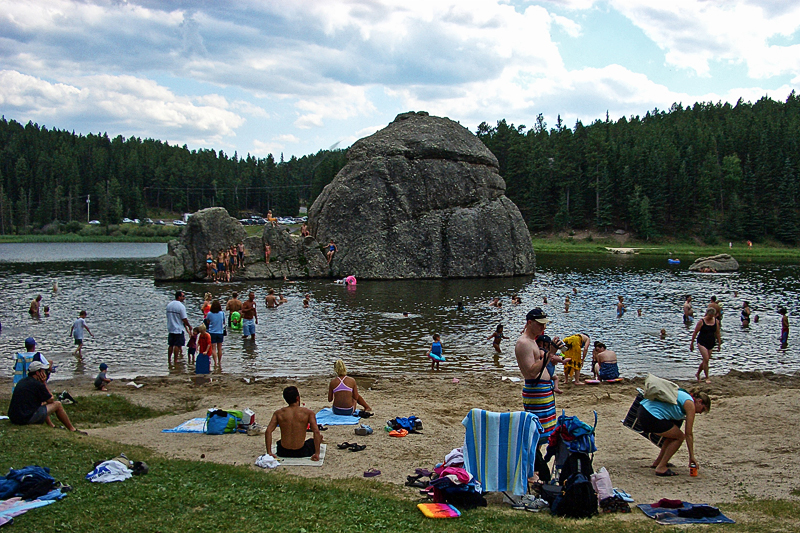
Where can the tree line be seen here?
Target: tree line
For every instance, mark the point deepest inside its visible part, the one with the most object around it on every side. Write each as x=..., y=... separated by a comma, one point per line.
x=709, y=170
x=47, y=176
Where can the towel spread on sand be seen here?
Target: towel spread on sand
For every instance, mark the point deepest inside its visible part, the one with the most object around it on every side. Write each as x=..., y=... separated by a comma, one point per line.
x=500, y=449
x=669, y=517
x=195, y=425
x=326, y=416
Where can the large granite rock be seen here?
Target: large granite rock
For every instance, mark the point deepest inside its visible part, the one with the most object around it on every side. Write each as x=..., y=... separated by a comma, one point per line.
x=422, y=198
x=209, y=229
x=290, y=256
x=715, y=263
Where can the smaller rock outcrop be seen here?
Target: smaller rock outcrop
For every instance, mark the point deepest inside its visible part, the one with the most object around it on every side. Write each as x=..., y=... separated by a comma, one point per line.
x=214, y=229
x=715, y=263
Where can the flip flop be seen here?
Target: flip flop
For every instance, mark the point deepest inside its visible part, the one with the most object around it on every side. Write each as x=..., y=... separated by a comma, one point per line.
x=669, y=465
x=417, y=483
x=365, y=414
x=423, y=472
x=668, y=473
x=358, y=447
x=344, y=445
x=372, y=472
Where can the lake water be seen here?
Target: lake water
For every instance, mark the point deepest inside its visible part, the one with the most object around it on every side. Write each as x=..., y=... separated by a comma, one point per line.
x=365, y=325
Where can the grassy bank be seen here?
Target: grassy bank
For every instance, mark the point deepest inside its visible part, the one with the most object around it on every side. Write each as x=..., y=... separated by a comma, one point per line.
x=665, y=249
x=184, y=496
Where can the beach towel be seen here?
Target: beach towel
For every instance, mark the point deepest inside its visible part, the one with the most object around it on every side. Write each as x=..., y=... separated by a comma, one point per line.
x=669, y=517
x=17, y=506
x=438, y=510
x=500, y=449
x=301, y=461
x=326, y=416
x=195, y=425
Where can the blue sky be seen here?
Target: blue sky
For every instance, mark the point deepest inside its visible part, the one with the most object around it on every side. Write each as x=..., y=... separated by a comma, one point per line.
x=298, y=76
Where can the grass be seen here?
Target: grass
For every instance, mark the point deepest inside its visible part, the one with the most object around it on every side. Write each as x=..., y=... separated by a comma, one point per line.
x=185, y=496
x=665, y=249
x=93, y=411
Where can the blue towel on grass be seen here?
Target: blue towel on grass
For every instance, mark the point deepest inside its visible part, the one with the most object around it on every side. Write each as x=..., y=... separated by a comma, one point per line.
x=669, y=517
x=326, y=416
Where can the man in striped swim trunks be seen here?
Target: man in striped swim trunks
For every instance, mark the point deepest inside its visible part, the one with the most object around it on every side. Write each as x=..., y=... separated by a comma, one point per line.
x=537, y=393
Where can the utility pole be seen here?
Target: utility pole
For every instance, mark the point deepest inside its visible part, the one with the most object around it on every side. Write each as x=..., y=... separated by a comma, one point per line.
x=87, y=208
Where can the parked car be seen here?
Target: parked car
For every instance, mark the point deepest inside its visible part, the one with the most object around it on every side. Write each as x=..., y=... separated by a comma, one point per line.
x=147, y=221
x=160, y=223
x=244, y=221
x=127, y=221
x=285, y=221
x=178, y=223
x=94, y=222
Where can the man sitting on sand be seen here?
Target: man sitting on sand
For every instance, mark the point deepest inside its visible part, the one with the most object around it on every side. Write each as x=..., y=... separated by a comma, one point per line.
x=604, y=362
x=293, y=421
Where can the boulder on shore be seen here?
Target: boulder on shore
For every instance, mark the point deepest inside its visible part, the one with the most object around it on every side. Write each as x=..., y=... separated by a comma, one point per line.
x=421, y=198
x=715, y=263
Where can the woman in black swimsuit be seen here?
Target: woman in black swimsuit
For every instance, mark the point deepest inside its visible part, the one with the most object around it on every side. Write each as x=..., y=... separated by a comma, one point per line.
x=746, y=314
x=707, y=334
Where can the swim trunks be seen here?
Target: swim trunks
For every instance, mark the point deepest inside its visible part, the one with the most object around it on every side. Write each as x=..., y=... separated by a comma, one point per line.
x=538, y=398
x=307, y=450
x=608, y=371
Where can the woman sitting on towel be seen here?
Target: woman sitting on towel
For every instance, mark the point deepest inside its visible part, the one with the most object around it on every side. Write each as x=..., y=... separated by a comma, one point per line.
x=665, y=419
x=343, y=392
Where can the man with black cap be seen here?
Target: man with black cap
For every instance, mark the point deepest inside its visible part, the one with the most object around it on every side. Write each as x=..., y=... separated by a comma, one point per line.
x=32, y=403
x=537, y=393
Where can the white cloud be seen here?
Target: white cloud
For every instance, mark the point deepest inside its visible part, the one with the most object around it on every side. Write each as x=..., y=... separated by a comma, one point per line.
x=694, y=34
x=287, y=138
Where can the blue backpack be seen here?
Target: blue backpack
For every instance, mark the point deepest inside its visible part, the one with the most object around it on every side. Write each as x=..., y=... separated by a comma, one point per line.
x=219, y=422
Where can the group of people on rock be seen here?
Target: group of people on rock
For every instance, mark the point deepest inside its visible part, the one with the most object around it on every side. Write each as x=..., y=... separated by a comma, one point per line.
x=227, y=262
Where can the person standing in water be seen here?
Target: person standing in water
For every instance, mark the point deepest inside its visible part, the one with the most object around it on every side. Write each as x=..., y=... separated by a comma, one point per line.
x=707, y=333
x=746, y=314
x=620, y=307
x=688, y=312
x=784, y=327
x=76, y=331
x=497, y=336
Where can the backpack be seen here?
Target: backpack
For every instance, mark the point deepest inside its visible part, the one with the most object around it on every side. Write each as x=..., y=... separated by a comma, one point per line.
x=219, y=422
x=576, y=463
x=577, y=500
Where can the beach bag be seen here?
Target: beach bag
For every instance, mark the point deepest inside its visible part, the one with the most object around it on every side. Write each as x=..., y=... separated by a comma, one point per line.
x=577, y=500
x=601, y=481
x=219, y=422
x=660, y=389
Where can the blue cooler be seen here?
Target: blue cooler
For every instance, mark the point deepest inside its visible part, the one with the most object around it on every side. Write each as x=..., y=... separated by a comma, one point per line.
x=202, y=364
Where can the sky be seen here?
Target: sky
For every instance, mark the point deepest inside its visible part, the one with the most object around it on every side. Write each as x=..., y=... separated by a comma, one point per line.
x=294, y=77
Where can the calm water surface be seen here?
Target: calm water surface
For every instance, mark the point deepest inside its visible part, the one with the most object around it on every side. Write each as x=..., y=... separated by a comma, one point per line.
x=365, y=326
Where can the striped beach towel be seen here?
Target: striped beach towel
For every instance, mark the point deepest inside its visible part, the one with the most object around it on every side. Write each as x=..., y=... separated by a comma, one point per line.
x=538, y=398
x=500, y=449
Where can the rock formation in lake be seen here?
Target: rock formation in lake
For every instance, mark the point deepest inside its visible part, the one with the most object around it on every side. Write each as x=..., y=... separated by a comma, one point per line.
x=421, y=198
x=716, y=263
x=214, y=229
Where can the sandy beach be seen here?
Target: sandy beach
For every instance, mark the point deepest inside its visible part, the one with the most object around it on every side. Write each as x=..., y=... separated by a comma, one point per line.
x=746, y=445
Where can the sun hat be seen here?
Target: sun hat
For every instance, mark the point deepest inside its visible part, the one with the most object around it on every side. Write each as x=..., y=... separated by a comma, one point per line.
x=35, y=367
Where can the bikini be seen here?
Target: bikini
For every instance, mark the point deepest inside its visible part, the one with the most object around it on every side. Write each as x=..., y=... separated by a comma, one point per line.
x=339, y=410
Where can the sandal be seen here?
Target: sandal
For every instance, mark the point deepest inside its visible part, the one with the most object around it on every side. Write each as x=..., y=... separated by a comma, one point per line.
x=423, y=472
x=358, y=447
x=344, y=445
x=417, y=483
x=372, y=472
x=363, y=431
x=668, y=473
x=365, y=414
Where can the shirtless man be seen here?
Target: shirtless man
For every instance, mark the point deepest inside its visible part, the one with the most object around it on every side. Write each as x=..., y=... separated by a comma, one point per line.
x=34, y=310
x=688, y=312
x=604, y=362
x=249, y=316
x=240, y=254
x=537, y=393
x=271, y=301
x=293, y=421
x=234, y=304
x=713, y=304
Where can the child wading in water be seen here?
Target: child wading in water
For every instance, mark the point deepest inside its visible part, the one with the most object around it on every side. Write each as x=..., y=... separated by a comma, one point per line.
x=620, y=307
x=191, y=346
x=76, y=331
x=102, y=380
x=436, y=352
x=497, y=335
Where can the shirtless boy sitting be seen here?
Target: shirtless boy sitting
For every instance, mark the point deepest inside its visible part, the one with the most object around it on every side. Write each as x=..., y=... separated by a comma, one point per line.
x=293, y=421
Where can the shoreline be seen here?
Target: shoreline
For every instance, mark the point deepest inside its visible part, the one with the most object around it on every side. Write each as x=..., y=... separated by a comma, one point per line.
x=739, y=456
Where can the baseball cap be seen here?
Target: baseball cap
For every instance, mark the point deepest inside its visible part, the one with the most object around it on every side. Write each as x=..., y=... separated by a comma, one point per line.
x=103, y=366
x=538, y=315
x=30, y=342
x=35, y=367
x=544, y=339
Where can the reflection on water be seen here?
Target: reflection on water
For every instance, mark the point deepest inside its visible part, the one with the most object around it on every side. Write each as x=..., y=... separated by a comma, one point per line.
x=366, y=325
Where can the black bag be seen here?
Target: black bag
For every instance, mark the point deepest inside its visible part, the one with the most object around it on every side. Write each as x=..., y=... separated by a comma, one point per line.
x=576, y=463
x=577, y=500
